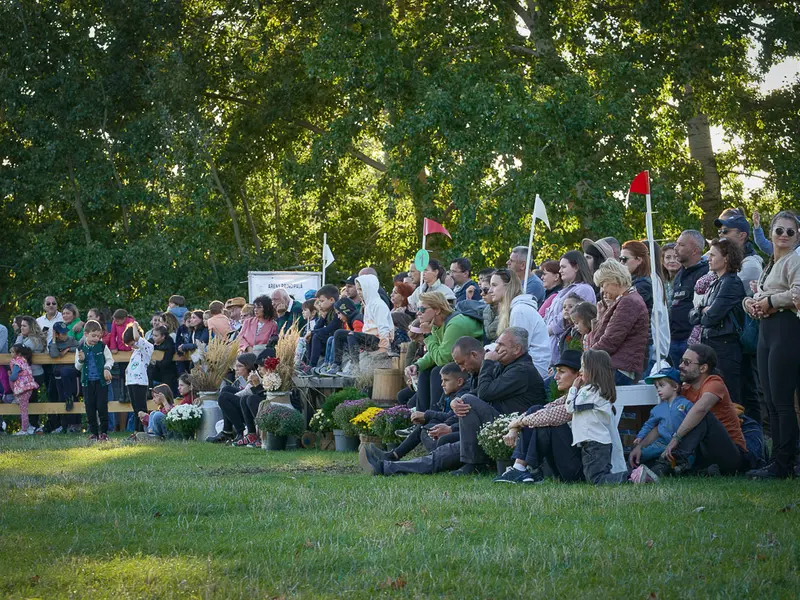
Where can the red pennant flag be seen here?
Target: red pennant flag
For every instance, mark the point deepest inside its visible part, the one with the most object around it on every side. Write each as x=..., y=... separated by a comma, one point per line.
x=641, y=183
x=430, y=227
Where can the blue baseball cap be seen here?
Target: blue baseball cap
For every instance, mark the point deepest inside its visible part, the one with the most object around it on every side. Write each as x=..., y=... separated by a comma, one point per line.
x=310, y=294
x=668, y=372
x=735, y=221
x=60, y=328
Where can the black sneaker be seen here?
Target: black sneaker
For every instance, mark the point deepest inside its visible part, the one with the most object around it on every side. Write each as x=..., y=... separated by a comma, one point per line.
x=769, y=472
x=221, y=437
x=511, y=475
x=471, y=469
x=69, y=403
x=534, y=476
x=661, y=468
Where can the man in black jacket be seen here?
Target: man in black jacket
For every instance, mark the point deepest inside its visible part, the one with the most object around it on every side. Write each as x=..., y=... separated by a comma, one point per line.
x=508, y=382
x=689, y=250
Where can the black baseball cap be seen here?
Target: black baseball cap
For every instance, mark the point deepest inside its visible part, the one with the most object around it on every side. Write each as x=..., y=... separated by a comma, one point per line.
x=350, y=280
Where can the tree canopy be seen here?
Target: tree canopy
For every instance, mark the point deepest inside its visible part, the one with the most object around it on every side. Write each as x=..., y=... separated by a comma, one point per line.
x=158, y=147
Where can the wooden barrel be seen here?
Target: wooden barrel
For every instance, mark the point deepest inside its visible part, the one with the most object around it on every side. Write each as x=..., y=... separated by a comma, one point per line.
x=386, y=384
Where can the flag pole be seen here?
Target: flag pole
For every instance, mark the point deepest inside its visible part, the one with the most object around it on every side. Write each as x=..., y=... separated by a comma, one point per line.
x=423, y=234
x=528, y=260
x=324, y=262
x=653, y=272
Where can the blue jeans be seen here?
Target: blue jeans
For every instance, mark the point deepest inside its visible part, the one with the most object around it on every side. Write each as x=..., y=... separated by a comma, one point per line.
x=158, y=423
x=329, y=351
x=676, y=350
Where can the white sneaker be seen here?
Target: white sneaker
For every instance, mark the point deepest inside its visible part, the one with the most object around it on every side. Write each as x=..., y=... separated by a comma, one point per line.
x=31, y=430
x=20, y=432
x=58, y=429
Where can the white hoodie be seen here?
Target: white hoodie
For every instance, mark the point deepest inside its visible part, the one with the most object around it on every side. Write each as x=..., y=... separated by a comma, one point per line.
x=437, y=286
x=377, y=318
x=524, y=314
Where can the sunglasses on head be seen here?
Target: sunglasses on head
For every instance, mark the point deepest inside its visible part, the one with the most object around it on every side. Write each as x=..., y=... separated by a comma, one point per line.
x=780, y=231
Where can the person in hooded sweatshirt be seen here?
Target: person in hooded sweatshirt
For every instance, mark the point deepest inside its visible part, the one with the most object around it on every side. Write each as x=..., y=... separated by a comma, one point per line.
x=516, y=309
x=378, y=329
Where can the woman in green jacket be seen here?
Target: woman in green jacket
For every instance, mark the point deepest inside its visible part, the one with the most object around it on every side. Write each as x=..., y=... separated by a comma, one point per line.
x=442, y=327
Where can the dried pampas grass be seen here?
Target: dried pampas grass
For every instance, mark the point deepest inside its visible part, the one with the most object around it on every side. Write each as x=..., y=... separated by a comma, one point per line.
x=217, y=360
x=285, y=351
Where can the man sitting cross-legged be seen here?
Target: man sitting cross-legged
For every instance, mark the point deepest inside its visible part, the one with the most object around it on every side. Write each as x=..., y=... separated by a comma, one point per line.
x=433, y=427
x=508, y=382
x=546, y=434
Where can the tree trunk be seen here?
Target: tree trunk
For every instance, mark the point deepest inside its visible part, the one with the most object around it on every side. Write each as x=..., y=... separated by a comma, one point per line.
x=78, y=203
x=253, y=231
x=125, y=218
x=231, y=209
x=701, y=150
x=277, y=200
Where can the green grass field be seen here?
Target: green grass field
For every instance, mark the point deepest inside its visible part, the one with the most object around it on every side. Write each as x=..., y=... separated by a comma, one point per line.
x=193, y=520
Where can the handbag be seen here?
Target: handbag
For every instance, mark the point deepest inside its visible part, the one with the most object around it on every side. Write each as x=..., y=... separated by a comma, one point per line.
x=748, y=333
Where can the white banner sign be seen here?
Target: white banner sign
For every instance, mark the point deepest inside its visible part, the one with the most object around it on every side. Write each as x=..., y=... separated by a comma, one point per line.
x=297, y=283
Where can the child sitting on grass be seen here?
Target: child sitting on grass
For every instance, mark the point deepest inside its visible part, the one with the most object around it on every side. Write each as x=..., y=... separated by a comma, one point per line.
x=94, y=361
x=155, y=423
x=22, y=384
x=665, y=417
x=594, y=428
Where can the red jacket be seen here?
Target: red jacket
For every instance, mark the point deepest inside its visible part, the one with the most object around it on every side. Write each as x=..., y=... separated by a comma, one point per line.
x=116, y=336
x=623, y=332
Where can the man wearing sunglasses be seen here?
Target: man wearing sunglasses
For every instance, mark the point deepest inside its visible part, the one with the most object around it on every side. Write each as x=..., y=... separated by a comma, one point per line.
x=733, y=226
x=50, y=317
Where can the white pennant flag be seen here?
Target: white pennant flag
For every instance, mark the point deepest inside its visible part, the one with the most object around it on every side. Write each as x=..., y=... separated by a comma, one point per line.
x=539, y=212
x=327, y=256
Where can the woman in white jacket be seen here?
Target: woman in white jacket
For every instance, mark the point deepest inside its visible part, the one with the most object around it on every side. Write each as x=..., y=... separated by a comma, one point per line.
x=432, y=281
x=516, y=309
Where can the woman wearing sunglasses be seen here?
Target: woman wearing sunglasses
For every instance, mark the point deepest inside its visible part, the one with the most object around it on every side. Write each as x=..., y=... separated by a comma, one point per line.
x=778, y=360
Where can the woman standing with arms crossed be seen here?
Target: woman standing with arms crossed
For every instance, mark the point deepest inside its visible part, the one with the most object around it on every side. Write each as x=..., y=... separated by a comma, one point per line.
x=778, y=359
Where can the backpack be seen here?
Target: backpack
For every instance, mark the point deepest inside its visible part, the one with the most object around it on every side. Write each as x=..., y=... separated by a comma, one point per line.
x=754, y=440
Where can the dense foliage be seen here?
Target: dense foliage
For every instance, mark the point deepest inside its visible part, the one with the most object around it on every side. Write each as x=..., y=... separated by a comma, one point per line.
x=153, y=147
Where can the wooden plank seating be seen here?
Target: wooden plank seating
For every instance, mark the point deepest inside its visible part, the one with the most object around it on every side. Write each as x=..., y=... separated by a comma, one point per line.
x=58, y=408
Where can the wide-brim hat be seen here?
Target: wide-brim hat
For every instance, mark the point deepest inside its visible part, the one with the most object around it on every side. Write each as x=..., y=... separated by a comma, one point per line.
x=238, y=301
x=601, y=246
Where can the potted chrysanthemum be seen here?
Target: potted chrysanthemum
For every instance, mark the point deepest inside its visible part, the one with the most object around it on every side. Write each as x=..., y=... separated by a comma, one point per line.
x=346, y=433
x=389, y=420
x=490, y=439
x=280, y=422
x=184, y=420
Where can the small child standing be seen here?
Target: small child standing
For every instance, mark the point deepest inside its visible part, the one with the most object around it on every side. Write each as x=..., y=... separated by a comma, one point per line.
x=665, y=417
x=570, y=336
x=96, y=357
x=594, y=428
x=310, y=315
x=136, y=379
x=582, y=317
x=22, y=384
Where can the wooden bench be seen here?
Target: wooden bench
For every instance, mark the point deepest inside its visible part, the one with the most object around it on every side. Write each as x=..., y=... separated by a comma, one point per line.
x=69, y=359
x=58, y=408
